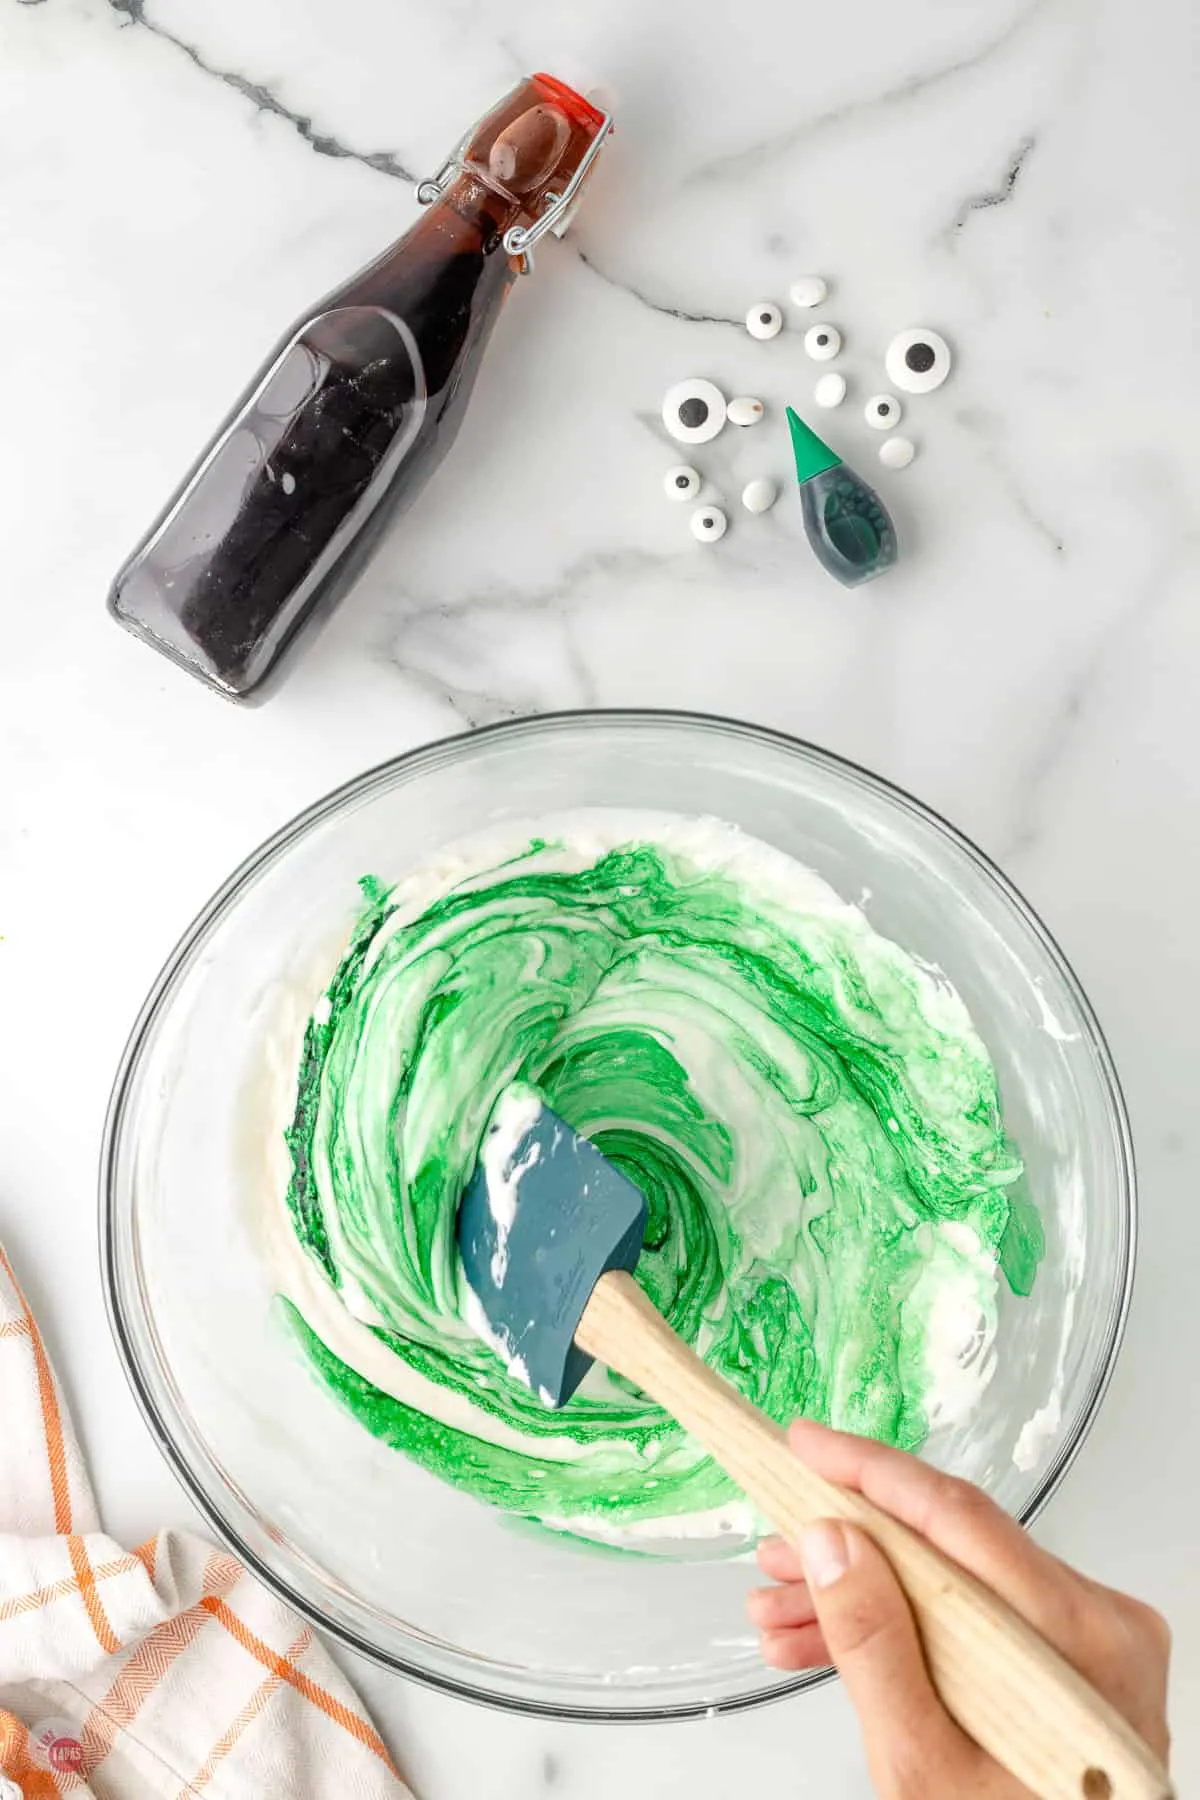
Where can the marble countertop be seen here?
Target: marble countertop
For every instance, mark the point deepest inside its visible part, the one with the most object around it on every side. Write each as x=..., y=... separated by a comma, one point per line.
x=178, y=179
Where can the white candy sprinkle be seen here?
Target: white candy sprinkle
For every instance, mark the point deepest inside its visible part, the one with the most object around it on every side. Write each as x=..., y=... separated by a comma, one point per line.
x=759, y=495
x=822, y=342
x=883, y=412
x=681, y=483
x=764, y=320
x=897, y=452
x=744, y=411
x=830, y=389
x=708, y=524
x=810, y=290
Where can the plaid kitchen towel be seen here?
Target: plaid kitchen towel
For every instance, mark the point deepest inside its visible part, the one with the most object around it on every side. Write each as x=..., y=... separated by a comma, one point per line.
x=165, y=1670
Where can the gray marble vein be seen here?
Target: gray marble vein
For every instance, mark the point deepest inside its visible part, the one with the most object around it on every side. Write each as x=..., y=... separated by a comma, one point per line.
x=450, y=660
x=593, y=566
x=467, y=654
x=988, y=432
x=263, y=98
x=638, y=293
x=752, y=158
x=1159, y=589
x=1000, y=195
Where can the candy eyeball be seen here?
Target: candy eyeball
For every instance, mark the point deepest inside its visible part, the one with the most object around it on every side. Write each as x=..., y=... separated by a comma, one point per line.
x=810, y=290
x=918, y=360
x=830, y=389
x=822, y=342
x=883, y=412
x=681, y=483
x=694, y=411
x=708, y=524
x=764, y=320
x=897, y=452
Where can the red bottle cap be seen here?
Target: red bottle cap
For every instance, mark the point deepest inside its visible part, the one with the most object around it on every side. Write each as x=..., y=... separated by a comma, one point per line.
x=577, y=109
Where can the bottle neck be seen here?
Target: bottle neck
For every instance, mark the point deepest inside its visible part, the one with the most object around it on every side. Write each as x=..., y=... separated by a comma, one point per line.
x=523, y=164
x=472, y=209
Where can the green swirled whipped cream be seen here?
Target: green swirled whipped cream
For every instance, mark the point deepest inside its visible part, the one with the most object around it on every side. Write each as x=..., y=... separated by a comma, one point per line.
x=814, y=1121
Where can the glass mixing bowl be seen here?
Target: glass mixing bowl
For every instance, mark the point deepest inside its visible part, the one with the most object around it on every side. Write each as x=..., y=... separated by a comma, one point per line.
x=360, y=1540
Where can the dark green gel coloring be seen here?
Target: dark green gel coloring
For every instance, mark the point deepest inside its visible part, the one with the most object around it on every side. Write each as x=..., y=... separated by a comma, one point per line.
x=848, y=526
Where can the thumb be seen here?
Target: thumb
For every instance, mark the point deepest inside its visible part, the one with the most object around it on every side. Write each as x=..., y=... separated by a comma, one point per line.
x=911, y=1740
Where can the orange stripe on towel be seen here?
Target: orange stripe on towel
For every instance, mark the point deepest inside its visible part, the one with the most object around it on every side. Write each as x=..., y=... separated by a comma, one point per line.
x=254, y=1707
x=142, y=1672
x=58, y=1590
x=147, y=1555
x=51, y=1417
x=303, y=1684
x=107, y=1638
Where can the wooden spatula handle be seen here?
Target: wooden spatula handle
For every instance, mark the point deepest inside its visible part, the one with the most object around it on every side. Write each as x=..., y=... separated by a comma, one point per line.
x=1003, y=1683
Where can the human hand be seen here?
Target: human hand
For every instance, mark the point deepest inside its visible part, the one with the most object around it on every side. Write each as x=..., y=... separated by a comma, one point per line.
x=838, y=1601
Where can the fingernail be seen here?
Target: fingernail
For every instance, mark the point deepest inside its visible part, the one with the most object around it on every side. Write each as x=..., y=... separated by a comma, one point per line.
x=825, y=1555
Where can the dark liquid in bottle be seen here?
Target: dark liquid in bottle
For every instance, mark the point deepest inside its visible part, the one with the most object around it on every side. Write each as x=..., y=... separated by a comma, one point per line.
x=354, y=412
x=355, y=409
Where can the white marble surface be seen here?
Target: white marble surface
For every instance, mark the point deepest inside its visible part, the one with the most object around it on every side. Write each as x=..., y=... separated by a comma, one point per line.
x=177, y=179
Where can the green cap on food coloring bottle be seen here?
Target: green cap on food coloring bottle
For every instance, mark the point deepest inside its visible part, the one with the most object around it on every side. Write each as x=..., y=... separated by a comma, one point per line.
x=848, y=526
x=813, y=456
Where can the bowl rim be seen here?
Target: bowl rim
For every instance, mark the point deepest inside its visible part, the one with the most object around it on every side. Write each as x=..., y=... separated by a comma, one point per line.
x=432, y=753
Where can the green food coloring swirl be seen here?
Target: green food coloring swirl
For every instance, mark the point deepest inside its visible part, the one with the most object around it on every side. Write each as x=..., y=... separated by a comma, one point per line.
x=806, y=1110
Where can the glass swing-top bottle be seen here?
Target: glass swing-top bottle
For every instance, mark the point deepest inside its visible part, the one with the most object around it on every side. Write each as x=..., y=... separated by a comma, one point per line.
x=357, y=405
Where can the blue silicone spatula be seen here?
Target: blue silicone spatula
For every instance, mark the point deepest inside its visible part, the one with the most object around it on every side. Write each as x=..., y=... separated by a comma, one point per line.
x=550, y=1233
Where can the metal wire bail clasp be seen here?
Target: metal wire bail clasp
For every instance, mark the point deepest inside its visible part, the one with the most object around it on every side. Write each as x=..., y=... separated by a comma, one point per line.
x=428, y=190
x=557, y=209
